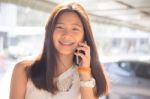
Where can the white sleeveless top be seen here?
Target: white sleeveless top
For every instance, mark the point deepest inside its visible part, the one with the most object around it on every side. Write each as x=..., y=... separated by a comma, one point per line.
x=73, y=93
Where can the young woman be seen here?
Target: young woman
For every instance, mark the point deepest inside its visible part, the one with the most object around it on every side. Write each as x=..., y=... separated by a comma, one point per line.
x=68, y=67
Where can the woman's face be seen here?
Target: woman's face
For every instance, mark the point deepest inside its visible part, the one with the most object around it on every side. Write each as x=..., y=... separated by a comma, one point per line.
x=68, y=33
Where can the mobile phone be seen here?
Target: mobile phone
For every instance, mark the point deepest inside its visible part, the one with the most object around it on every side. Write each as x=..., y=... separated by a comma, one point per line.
x=78, y=58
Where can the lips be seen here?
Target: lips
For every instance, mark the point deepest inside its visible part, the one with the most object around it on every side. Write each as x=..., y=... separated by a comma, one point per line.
x=66, y=43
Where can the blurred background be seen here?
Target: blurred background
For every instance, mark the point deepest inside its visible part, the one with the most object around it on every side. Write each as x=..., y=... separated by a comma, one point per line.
x=121, y=29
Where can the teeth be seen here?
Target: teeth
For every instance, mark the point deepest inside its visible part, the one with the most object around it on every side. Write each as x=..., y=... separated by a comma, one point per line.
x=66, y=43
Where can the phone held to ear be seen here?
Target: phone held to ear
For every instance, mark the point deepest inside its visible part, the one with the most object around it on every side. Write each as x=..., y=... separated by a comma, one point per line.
x=78, y=58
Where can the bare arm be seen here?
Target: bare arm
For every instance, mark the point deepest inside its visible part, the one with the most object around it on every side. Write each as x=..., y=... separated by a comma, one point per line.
x=87, y=92
x=18, y=82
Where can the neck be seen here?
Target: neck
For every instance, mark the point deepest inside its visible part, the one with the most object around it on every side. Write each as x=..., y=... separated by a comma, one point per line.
x=65, y=61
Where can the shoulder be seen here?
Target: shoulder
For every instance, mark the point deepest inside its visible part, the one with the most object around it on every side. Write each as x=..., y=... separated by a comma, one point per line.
x=22, y=65
x=20, y=68
x=19, y=79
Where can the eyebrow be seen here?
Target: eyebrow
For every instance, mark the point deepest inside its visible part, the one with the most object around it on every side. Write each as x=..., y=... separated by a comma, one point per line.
x=77, y=25
x=72, y=24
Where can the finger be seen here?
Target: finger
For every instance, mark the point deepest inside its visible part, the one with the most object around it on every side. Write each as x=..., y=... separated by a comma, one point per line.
x=80, y=54
x=85, y=50
x=82, y=48
x=84, y=45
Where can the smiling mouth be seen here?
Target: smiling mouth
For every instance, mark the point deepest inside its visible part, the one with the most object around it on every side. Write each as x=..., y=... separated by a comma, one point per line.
x=66, y=43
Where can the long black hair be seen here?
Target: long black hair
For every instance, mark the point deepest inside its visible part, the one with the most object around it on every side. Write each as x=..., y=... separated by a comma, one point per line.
x=44, y=67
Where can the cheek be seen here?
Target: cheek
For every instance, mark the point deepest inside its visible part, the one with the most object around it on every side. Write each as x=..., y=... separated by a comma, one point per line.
x=56, y=35
x=55, y=38
x=80, y=37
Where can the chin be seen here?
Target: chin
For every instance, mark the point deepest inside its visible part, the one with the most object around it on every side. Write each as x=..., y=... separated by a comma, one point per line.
x=66, y=53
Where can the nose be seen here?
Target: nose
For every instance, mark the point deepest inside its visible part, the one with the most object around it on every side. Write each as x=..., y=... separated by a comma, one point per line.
x=66, y=31
x=67, y=34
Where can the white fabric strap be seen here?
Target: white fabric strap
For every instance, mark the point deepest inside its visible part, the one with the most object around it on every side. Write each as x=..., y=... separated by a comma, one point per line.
x=89, y=83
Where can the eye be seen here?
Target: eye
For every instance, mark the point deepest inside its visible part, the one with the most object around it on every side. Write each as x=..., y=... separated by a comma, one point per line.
x=59, y=27
x=75, y=29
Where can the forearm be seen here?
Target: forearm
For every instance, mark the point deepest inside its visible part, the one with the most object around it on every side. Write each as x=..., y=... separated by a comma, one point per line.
x=87, y=92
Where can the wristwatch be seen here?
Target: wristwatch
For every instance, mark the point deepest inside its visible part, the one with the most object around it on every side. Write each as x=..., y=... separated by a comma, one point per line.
x=88, y=83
